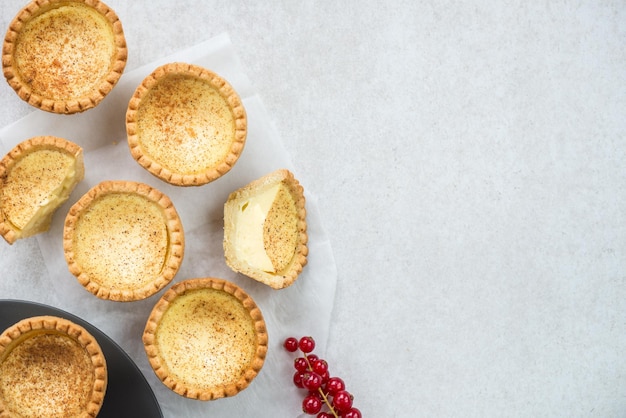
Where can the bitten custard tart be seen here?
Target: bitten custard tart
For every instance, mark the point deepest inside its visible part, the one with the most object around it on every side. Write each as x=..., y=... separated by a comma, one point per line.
x=186, y=125
x=50, y=367
x=36, y=177
x=64, y=56
x=265, y=231
x=206, y=339
x=123, y=240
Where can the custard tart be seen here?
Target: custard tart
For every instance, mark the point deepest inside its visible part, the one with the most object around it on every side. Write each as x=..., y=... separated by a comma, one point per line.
x=50, y=367
x=64, y=56
x=186, y=125
x=36, y=177
x=123, y=240
x=265, y=230
x=206, y=339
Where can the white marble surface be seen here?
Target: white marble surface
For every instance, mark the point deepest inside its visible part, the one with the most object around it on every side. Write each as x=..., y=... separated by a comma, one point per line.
x=468, y=160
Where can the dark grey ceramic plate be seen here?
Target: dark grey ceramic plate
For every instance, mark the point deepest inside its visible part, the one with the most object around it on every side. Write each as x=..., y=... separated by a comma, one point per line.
x=128, y=392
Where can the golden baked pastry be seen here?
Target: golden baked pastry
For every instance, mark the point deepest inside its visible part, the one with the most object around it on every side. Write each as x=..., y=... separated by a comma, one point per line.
x=36, y=177
x=64, y=56
x=206, y=339
x=50, y=367
x=123, y=240
x=186, y=125
x=265, y=233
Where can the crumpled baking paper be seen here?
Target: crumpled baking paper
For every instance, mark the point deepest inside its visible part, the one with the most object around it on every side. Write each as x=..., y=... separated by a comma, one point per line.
x=302, y=309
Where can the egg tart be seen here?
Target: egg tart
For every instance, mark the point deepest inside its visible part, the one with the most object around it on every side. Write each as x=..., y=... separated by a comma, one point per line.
x=123, y=240
x=36, y=177
x=265, y=230
x=206, y=339
x=64, y=56
x=186, y=125
x=50, y=367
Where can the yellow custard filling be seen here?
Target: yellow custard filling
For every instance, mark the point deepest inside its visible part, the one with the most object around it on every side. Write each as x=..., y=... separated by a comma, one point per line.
x=265, y=227
x=185, y=124
x=36, y=186
x=206, y=338
x=121, y=241
x=248, y=222
x=46, y=374
x=74, y=43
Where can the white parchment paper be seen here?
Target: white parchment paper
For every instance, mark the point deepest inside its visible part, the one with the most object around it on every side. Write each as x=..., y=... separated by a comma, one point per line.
x=302, y=309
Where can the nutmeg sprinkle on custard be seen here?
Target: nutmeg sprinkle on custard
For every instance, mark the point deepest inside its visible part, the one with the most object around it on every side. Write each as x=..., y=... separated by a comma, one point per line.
x=130, y=249
x=75, y=62
x=47, y=375
x=207, y=338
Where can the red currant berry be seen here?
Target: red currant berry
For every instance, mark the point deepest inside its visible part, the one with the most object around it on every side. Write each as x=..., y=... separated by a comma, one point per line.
x=351, y=413
x=325, y=415
x=342, y=401
x=301, y=364
x=311, y=381
x=312, y=358
x=297, y=380
x=334, y=385
x=325, y=377
x=311, y=405
x=306, y=344
x=291, y=344
x=317, y=394
x=319, y=366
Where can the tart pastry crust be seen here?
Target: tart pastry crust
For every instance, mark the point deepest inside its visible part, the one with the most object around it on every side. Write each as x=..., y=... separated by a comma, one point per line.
x=265, y=230
x=123, y=240
x=36, y=177
x=64, y=56
x=50, y=367
x=186, y=125
x=206, y=339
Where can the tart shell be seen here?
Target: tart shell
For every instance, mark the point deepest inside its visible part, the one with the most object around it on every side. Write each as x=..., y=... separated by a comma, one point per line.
x=123, y=240
x=28, y=193
x=186, y=125
x=64, y=56
x=211, y=322
x=50, y=367
x=288, y=274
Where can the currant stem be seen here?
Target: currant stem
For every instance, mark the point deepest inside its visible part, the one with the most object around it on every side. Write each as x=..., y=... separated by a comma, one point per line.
x=324, y=397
